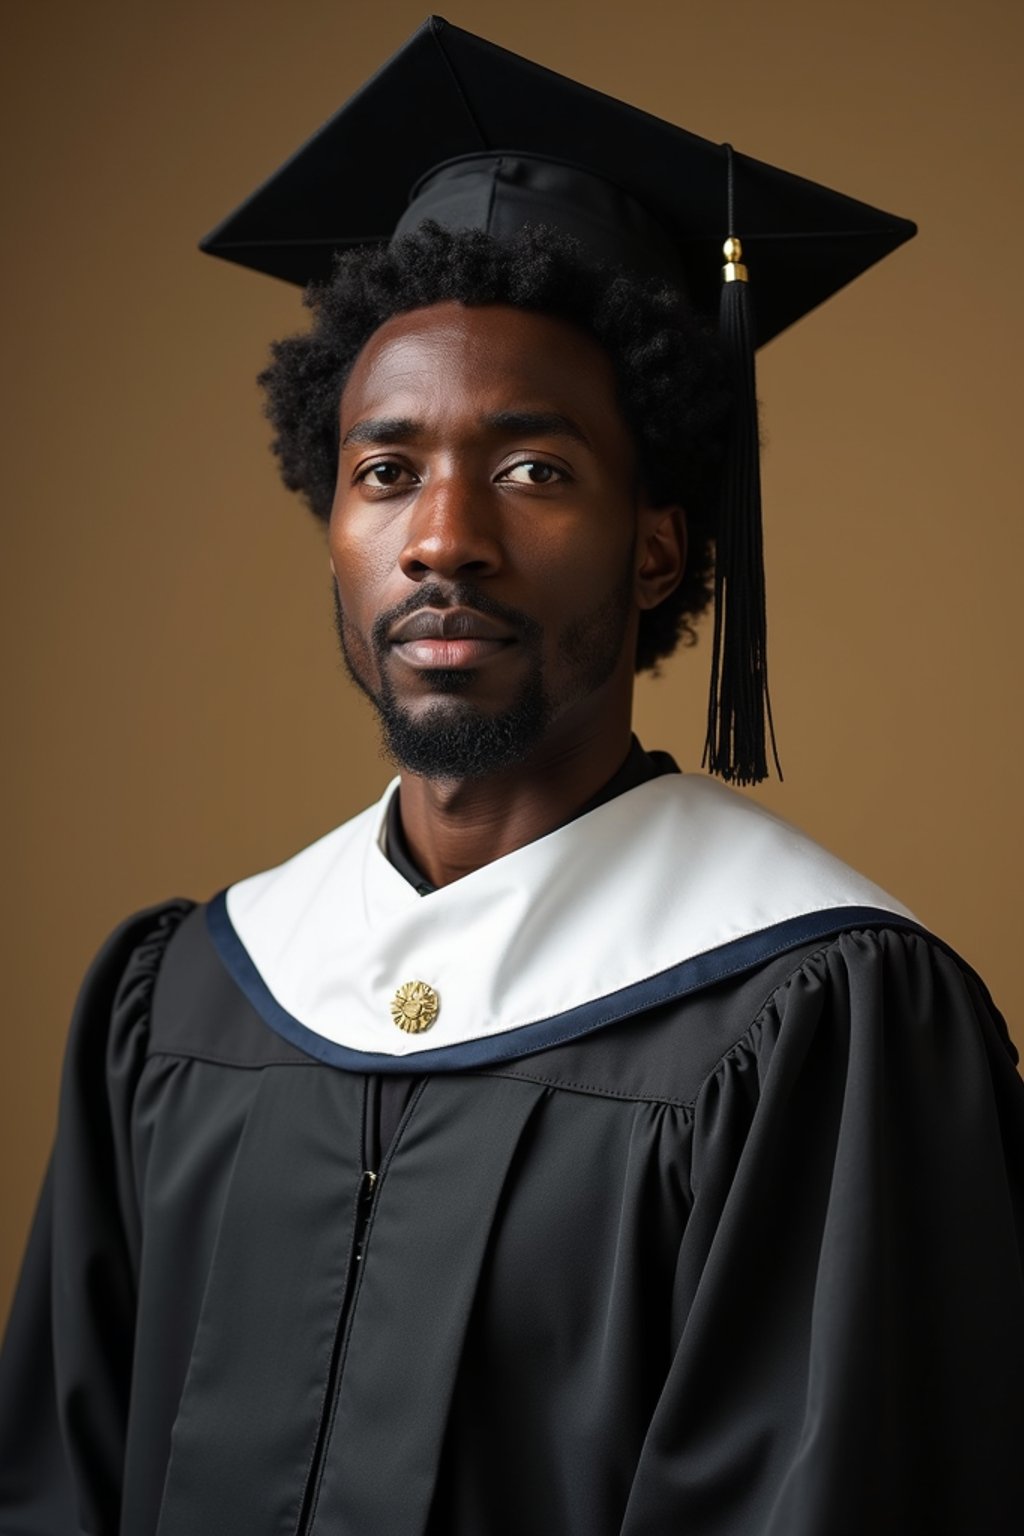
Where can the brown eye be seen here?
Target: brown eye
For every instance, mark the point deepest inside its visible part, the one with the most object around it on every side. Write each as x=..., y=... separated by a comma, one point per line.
x=533, y=472
x=381, y=476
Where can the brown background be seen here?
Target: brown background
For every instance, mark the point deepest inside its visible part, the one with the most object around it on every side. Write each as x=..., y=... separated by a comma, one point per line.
x=176, y=717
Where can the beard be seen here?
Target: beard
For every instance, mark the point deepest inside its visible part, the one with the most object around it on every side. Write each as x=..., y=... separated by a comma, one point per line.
x=454, y=738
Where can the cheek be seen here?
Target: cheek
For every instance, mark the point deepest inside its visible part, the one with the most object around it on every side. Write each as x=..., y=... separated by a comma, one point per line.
x=576, y=566
x=361, y=558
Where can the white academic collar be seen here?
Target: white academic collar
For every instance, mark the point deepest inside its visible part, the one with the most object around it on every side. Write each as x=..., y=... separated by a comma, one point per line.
x=668, y=887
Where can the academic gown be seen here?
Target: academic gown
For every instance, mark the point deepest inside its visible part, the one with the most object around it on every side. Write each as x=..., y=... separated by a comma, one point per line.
x=731, y=1249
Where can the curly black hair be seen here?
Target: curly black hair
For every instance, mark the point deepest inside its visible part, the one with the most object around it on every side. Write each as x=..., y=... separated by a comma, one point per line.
x=671, y=386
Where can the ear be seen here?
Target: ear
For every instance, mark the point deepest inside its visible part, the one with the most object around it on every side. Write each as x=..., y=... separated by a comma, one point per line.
x=660, y=553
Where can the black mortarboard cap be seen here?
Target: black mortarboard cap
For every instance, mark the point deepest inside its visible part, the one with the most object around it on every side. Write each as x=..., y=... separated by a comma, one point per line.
x=456, y=129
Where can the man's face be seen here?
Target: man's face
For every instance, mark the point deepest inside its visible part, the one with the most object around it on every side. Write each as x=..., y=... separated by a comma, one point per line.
x=489, y=553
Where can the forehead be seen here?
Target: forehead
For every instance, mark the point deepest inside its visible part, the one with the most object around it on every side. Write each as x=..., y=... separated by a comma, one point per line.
x=493, y=356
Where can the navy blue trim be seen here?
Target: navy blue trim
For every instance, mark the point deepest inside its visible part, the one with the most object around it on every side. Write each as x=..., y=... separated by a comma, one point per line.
x=677, y=981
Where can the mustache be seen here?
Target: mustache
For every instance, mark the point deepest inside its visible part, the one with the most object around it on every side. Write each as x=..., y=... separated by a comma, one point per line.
x=460, y=594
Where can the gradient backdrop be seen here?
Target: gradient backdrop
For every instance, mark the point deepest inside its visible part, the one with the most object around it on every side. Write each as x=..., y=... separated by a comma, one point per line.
x=176, y=717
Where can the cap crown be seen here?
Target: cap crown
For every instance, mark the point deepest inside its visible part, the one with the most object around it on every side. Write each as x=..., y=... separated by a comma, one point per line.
x=447, y=94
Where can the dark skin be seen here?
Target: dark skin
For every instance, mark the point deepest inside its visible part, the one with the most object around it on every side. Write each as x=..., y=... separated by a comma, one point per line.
x=486, y=445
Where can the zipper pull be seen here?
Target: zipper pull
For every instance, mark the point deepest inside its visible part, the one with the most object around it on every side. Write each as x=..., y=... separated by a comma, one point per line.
x=364, y=1204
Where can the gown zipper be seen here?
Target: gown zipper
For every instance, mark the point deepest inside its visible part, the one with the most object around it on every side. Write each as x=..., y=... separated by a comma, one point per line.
x=364, y=1208
x=373, y=1155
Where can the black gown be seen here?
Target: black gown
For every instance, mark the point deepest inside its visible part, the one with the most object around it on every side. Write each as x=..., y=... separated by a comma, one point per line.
x=746, y=1264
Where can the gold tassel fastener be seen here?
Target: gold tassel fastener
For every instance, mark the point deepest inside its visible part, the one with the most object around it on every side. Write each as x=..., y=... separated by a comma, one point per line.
x=734, y=271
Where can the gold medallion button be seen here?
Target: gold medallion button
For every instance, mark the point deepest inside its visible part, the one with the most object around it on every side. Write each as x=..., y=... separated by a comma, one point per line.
x=415, y=1006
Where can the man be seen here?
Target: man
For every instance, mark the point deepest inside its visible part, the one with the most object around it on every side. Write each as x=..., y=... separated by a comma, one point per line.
x=562, y=1145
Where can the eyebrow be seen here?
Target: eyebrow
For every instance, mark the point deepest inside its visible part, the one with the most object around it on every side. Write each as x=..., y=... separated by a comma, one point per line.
x=378, y=430
x=537, y=424
x=381, y=429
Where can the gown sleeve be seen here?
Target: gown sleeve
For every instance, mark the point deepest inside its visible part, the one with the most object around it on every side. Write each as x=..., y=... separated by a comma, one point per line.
x=848, y=1327
x=66, y=1363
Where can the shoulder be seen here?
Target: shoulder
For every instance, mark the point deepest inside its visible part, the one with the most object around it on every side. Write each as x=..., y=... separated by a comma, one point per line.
x=199, y=1011
x=158, y=988
x=903, y=982
x=873, y=960
x=861, y=994
x=886, y=1024
x=110, y=1025
x=119, y=983
x=157, y=985
x=132, y=953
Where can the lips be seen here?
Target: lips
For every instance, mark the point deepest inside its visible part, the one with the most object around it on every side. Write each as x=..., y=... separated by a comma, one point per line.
x=449, y=638
x=448, y=624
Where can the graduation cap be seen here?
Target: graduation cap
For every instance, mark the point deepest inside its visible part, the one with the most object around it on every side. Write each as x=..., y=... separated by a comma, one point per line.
x=456, y=129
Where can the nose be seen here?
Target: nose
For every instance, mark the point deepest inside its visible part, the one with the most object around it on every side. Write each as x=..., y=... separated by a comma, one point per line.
x=452, y=531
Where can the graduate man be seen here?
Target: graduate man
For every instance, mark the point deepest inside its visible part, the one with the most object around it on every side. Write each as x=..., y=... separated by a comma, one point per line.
x=563, y=1146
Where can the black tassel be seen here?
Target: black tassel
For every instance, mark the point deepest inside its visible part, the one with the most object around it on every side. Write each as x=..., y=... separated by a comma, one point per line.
x=740, y=722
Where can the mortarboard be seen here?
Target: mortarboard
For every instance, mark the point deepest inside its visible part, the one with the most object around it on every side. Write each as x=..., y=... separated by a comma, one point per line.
x=456, y=129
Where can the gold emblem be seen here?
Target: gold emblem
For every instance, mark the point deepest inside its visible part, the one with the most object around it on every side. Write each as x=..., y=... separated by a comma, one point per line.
x=414, y=1007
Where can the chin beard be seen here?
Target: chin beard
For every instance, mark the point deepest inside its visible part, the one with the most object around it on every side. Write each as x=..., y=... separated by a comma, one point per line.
x=453, y=738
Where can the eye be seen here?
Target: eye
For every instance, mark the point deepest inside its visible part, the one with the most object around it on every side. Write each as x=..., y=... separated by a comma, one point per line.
x=383, y=475
x=533, y=472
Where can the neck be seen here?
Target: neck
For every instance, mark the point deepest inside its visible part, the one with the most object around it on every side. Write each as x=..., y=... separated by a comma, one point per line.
x=456, y=826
